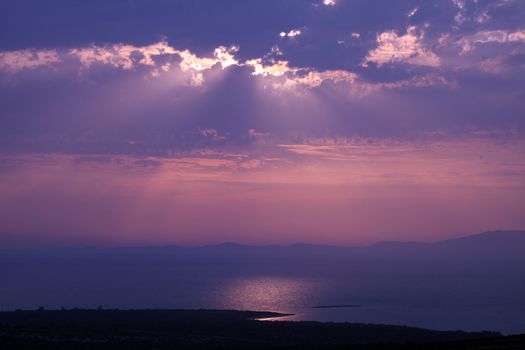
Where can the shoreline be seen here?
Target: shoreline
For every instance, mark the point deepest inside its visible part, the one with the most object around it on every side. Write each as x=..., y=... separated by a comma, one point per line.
x=163, y=329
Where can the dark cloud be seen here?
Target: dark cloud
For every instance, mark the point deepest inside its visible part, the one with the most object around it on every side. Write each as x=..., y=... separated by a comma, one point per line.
x=359, y=68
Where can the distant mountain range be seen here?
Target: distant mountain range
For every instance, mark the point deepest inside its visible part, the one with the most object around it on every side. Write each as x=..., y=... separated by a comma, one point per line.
x=502, y=244
x=507, y=242
x=492, y=245
x=488, y=238
x=485, y=238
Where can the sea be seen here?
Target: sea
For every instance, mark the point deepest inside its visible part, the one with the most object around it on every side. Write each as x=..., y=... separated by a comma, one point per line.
x=426, y=297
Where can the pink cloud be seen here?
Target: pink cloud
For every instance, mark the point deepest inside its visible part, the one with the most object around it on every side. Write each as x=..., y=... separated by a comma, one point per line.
x=14, y=61
x=407, y=48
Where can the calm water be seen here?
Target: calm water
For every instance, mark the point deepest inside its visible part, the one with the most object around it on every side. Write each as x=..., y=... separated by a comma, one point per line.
x=431, y=295
x=381, y=301
x=300, y=296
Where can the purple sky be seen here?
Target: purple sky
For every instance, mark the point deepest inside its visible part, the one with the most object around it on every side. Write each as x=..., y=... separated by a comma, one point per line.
x=335, y=121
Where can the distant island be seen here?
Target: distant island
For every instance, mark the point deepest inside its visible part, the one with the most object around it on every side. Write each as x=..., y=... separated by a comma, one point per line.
x=218, y=329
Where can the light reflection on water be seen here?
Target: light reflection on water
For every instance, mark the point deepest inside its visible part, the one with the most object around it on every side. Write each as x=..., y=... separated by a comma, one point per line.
x=299, y=296
x=267, y=293
x=454, y=301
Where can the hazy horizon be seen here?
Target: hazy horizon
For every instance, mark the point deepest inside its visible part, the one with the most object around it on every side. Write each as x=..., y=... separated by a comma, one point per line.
x=35, y=244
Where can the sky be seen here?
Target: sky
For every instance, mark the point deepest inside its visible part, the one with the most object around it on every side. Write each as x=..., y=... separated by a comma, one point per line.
x=344, y=122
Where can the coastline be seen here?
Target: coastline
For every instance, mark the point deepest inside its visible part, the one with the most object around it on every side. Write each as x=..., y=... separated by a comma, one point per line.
x=165, y=329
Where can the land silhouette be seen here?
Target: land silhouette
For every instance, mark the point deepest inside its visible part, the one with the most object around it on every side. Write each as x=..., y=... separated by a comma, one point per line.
x=218, y=329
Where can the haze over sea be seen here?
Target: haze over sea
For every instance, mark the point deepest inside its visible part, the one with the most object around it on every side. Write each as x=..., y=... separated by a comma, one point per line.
x=472, y=283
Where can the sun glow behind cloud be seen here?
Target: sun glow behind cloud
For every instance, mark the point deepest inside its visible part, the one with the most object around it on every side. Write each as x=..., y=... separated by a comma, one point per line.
x=129, y=57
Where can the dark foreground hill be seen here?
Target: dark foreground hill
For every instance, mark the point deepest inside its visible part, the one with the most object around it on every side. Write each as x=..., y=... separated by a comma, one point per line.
x=216, y=329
